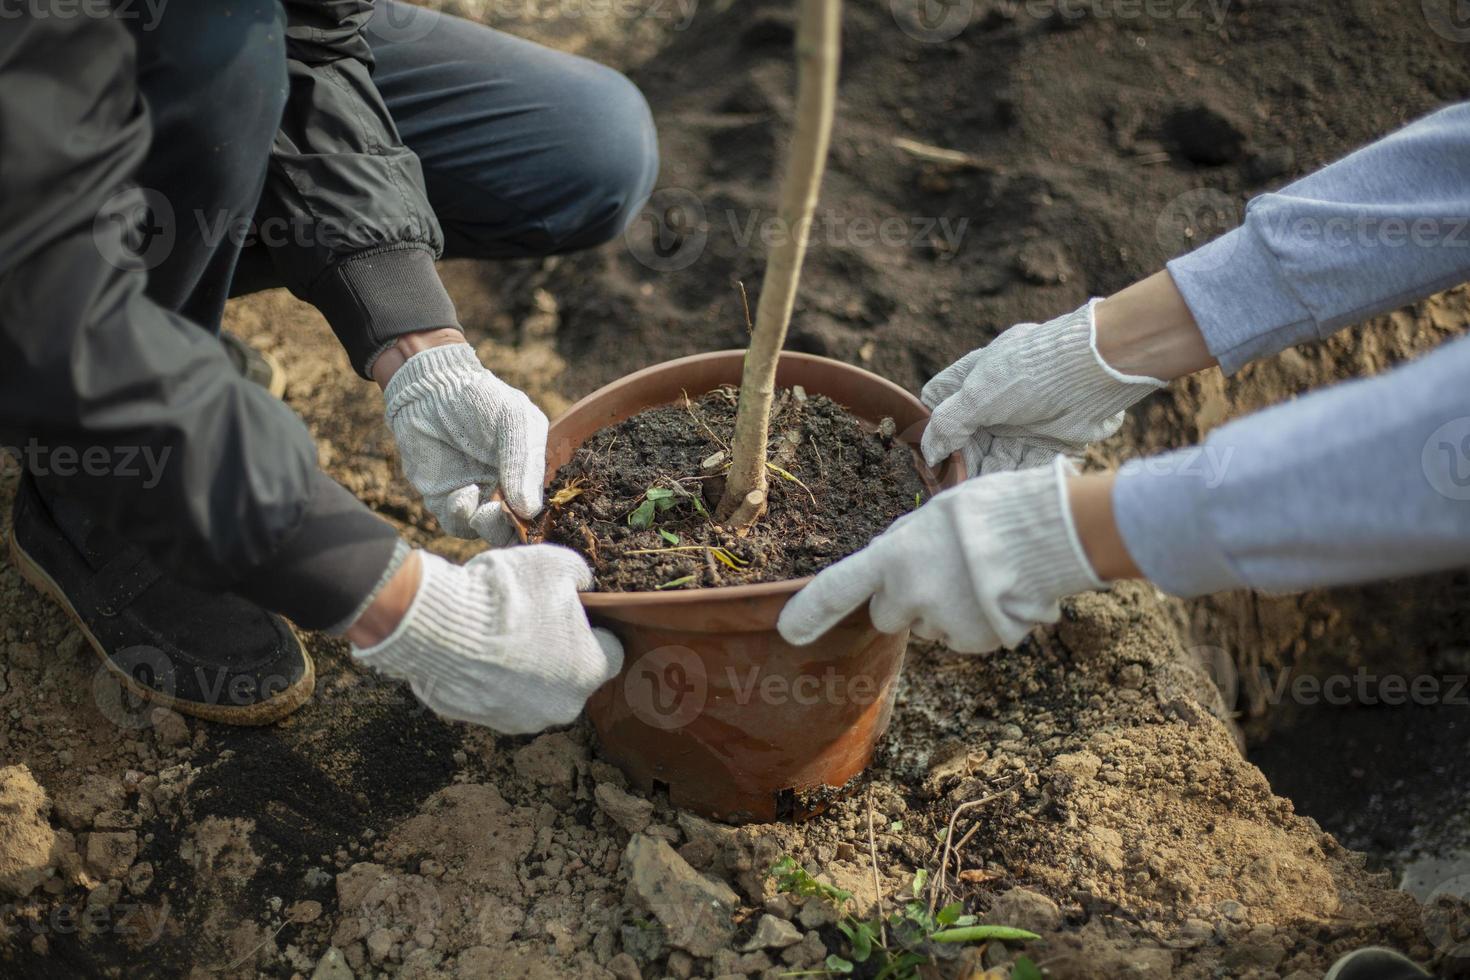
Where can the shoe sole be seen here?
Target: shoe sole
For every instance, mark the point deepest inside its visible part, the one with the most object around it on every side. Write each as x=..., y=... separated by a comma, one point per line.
x=249, y=715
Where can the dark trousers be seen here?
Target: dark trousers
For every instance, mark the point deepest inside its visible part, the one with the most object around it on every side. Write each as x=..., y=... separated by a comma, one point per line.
x=526, y=151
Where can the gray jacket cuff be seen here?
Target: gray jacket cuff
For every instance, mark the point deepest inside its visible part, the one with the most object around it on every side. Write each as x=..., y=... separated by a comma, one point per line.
x=329, y=565
x=374, y=297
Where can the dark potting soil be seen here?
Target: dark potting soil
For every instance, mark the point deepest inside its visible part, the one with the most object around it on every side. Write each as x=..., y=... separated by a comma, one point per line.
x=854, y=482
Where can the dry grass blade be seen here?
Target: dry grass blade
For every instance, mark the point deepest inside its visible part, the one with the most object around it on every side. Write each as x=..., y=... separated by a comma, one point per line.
x=689, y=407
x=877, y=881
x=567, y=493
x=724, y=555
x=938, y=886
x=785, y=475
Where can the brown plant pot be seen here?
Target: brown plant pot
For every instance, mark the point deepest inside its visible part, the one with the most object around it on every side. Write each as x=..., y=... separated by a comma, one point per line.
x=711, y=703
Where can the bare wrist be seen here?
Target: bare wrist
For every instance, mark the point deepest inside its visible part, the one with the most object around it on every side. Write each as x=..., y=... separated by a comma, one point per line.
x=1148, y=329
x=403, y=347
x=1090, y=497
x=386, y=612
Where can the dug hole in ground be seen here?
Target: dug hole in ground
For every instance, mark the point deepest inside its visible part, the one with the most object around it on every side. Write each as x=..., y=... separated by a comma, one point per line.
x=1122, y=823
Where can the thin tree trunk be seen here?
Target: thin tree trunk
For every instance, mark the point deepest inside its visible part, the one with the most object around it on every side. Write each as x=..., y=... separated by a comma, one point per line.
x=817, y=46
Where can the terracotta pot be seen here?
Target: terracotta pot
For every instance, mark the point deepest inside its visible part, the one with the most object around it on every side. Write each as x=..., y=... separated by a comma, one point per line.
x=712, y=704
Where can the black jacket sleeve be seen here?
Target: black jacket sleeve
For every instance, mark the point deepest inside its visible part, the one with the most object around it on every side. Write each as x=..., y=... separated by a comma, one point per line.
x=345, y=214
x=89, y=363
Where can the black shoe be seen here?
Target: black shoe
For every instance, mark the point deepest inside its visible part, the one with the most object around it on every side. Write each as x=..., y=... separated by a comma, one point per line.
x=1375, y=963
x=210, y=655
x=255, y=365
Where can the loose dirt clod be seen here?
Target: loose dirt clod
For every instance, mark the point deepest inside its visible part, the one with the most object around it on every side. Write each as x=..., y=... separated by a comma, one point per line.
x=27, y=841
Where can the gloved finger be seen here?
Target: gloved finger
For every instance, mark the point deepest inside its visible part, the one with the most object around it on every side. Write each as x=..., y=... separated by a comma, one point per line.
x=455, y=510
x=926, y=630
x=494, y=525
x=562, y=562
x=946, y=432
x=973, y=639
x=523, y=471
x=1008, y=454
x=830, y=597
x=975, y=451
x=950, y=380
x=612, y=648
x=889, y=615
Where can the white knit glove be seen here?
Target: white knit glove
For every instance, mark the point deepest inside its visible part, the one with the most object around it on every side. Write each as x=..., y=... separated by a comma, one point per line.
x=1038, y=389
x=462, y=433
x=502, y=641
x=975, y=568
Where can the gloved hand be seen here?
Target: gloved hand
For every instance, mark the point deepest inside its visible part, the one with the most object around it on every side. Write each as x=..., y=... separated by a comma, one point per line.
x=1038, y=390
x=502, y=641
x=462, y=433
x=974, y=568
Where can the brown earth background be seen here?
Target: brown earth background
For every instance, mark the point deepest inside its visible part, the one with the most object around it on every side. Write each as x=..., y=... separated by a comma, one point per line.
x=1088, y=144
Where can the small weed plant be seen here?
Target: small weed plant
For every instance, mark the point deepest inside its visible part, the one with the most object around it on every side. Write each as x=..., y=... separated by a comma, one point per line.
x=895, y=948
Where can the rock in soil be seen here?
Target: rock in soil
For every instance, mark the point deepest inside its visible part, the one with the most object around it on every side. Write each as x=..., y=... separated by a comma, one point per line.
x=550, y=760
x=772, y=933
x=625, y=809
x=27, y=842
x=694, y=910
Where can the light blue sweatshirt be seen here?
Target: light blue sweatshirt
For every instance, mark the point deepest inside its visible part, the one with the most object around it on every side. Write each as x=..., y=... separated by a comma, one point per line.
x=1365, y=480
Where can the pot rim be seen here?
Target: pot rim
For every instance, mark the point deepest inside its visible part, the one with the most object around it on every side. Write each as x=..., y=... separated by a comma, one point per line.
x=760, y=590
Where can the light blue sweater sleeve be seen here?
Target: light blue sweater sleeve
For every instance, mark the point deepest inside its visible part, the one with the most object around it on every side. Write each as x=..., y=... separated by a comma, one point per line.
x=1381, y=227
x=1361, y=481
x=1365, y=480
